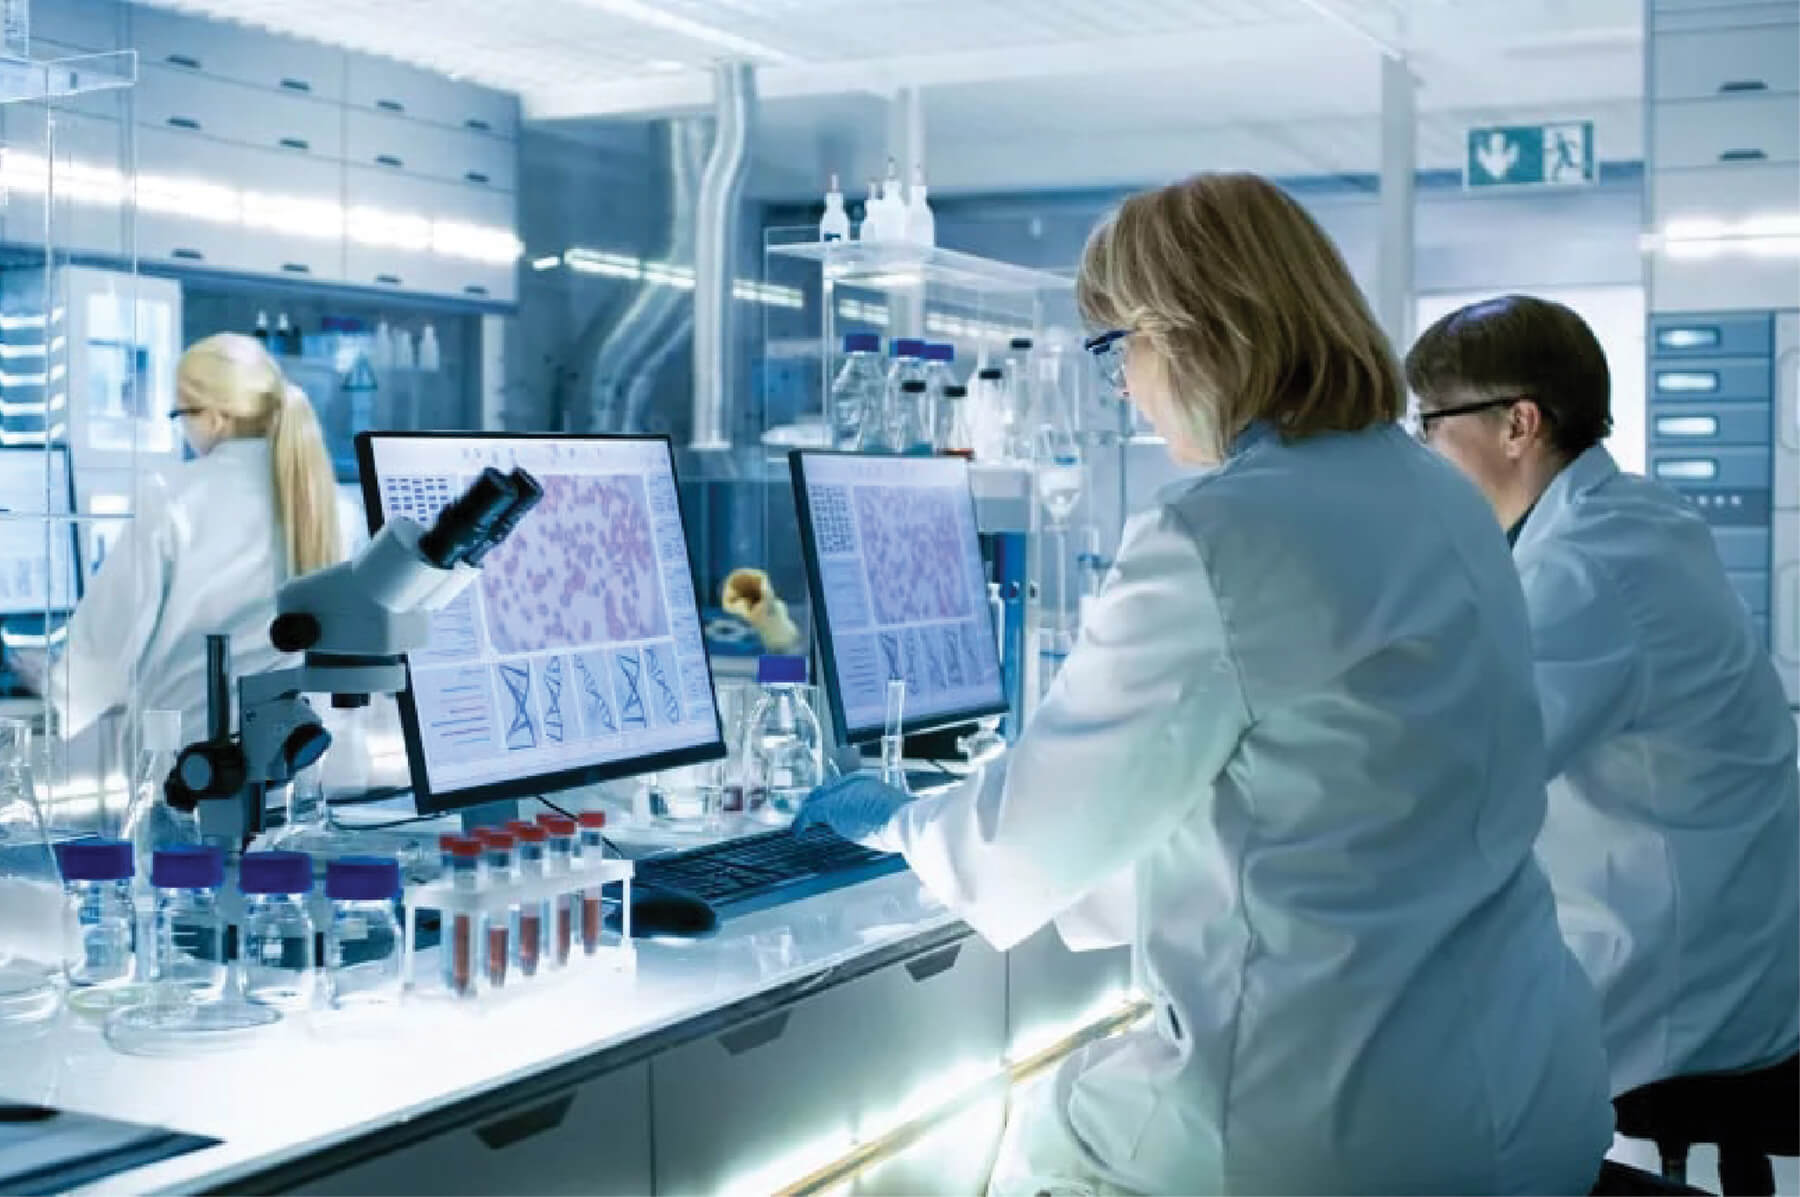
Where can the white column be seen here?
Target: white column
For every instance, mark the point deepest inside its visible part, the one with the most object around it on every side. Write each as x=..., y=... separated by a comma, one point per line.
x=1394, y=266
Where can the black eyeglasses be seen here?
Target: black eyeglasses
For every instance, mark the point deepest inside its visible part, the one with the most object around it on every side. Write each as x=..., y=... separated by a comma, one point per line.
x=1108, y=349
x=180, y=412
x=1422, y=420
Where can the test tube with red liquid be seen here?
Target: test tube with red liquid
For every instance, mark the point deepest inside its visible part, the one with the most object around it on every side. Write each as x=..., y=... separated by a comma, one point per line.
x=462, y=930
x=561, y=864
x=592, y=847
x=498, y=853
x=533, y=927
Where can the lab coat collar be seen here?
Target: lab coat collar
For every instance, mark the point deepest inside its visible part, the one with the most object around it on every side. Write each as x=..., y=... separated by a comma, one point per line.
x=241, y=446
x=1253, y=435
x=1587, y=473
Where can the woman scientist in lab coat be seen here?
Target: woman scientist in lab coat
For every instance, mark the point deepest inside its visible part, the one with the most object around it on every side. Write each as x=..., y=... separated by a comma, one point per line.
x=209, y=544
x=1295, y=761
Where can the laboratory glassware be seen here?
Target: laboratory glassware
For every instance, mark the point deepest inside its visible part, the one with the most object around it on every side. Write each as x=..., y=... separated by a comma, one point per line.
x=783, y=745
x=151, y=823
x=97, y=876
x=858, y=390
x=593, y=847
x=187, y=929
x=29, y=878
x=531, y=920
x=362, y=942
x=499, y=860
x=462, y=938
x=561, y=863
x=275, y=960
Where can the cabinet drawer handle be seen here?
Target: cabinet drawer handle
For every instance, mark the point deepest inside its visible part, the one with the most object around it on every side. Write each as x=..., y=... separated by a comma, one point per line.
x=475, y=176
x=926, y=967
x=296, y=85
x=477, y=124
x=1732, y=86
x=1743, y=156
x=475, y=289
x=388, y=160
x=182, y=60
x=295, y=268
x=184, y=122
x=516, y=1128
x=392, y=280
x=188, y=255
x=390, y=105
x=294, y=143
x=758, y=1034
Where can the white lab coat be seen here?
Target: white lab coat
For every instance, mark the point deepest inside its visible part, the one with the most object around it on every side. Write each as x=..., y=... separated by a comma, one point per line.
x=203, y=553
x=1298, y=738
x=1675, y=805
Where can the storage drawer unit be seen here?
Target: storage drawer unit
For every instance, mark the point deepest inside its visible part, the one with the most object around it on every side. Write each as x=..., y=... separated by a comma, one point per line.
x=230, y=51
x=1786, y=412
x=187, y=102
x=453, y=155
x=1784, y=602
x=382, y=85
x=729, y=1107
x=1757, y=127
x=1721, y=334
x=1721, y=62
x=591, y=1138
x=400, y=268
x=1713, y=380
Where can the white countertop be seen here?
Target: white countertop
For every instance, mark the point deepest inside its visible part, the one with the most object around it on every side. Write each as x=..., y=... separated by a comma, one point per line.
x=306, y=1085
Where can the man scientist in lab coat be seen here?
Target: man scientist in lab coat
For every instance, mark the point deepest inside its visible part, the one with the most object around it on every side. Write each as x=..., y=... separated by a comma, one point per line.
x=1675, y=802
x=1293, y=761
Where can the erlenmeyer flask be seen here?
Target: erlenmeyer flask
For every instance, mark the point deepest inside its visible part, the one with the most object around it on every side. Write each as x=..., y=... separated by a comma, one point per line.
x=33, y=911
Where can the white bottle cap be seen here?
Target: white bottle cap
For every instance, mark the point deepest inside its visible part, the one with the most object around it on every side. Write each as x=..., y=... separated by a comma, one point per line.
x=162, y=731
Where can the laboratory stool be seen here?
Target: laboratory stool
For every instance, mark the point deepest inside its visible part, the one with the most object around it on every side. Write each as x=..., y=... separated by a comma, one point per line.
x=1622, y=1180
x=1749, y=1115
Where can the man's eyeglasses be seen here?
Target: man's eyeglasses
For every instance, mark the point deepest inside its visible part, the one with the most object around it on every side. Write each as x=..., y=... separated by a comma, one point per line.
x=1108, y=349
x=1422, y=421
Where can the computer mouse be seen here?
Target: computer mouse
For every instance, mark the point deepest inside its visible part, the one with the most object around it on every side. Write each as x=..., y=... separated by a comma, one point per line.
x=666, y=913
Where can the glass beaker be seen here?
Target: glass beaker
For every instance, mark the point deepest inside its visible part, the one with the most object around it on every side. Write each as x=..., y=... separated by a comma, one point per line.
x=34, y=936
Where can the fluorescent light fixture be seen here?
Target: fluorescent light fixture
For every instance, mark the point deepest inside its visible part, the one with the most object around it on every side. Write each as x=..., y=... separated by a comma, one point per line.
x=19, y=323
x=110, y=504
x=594, y=261
x=1690, y=470
x=547, y=262
x=663, y=66
x=1701, y=382
x=1687, y=338
x=1687, y=426
x=1696, y=238
x=9, y=352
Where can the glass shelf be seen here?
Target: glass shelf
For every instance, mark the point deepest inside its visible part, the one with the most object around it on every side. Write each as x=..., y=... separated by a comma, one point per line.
x=885, y=266
x=60, y=78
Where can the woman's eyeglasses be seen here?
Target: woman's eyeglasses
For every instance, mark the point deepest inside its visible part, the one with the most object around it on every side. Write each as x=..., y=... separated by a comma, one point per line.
x=1108, y=349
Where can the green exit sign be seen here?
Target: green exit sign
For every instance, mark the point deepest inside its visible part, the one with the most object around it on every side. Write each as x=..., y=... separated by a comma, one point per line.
x=1560, y=154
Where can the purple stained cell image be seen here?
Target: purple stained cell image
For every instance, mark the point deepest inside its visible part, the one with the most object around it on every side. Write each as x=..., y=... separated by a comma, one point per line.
x=912, y=544
x=581, y=569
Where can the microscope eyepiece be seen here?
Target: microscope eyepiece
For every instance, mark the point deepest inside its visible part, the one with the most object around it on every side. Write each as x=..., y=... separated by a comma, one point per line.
x=530, y=494
x=468, y=522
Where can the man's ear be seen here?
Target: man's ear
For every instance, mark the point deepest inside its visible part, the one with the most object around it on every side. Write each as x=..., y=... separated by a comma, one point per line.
x=1525, y=424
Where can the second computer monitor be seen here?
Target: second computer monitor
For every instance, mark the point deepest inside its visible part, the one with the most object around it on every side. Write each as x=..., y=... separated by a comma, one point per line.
x=577, y=655
x=39, y=571
x=893, y=561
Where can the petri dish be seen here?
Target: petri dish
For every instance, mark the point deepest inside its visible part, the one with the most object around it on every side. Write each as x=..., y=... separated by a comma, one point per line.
x=97, y=1003
x=177, y=1028
x=28, y=992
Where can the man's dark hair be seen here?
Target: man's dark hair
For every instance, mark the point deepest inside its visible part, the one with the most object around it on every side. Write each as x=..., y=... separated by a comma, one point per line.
x=1519, y=345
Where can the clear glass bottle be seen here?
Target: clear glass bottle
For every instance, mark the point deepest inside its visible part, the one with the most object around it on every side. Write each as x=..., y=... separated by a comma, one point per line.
x=150, y=822
x=988, y=405
x=567, y=906
x=784, y=757
x=187, y=930
x=1020, y=406
x=362, y=944
x=591, y=847
x=461, y=948
x=531, y=920
x=954, y=433
x=856, y=392
x=276, y=963
x=881, y=431
x=498, y=859
x=97, y=877
x=940, y=369
x=32, y=949
x=915, y=417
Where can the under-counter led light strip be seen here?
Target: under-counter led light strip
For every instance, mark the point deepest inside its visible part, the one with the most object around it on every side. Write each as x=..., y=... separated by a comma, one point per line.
x=290, y=215
x=665, y=274
x=1769, y=235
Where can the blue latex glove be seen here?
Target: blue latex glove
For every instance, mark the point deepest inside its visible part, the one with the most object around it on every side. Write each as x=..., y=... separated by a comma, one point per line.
x=855, y=807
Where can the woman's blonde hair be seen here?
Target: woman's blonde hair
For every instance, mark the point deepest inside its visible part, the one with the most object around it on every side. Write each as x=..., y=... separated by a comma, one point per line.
x=233, y=375
x=1249, y=306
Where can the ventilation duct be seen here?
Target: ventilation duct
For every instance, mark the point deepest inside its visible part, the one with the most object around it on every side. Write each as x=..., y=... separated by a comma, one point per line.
x=623, y=369
x=715, y=252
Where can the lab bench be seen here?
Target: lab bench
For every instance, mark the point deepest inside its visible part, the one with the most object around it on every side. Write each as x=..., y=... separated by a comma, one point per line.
x=742, y=1060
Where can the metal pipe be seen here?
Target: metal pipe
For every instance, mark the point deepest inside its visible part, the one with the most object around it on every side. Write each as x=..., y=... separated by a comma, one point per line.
x=715, y=245
x=218, y=688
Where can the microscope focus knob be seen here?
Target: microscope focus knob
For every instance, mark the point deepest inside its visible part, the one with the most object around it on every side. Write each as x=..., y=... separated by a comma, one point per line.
x=295, y=632
x=211, y=770
x=305, y=745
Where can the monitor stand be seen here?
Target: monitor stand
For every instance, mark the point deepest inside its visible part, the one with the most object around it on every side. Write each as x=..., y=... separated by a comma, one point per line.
x=489, y=814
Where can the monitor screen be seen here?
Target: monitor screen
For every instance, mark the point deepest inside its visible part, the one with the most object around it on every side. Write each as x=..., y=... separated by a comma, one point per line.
x=577, y=656
x=38, y=561
x=893, y=561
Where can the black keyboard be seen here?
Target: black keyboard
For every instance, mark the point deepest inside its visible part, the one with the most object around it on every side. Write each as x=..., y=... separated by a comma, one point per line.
x=767, y=869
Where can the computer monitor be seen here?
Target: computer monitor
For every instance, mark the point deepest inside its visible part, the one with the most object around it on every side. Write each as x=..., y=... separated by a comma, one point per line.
x=39, y=559
x=577, y=656
x=893, y=563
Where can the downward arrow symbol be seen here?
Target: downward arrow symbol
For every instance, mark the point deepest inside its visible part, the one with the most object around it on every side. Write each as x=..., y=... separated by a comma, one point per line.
x=1497, y=156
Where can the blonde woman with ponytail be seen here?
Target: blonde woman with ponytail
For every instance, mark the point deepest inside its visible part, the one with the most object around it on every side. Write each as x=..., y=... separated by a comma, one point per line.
x=210, y=541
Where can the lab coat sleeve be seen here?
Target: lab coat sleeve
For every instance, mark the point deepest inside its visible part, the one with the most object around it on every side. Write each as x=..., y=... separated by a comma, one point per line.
x=116, y=618
x=1105, y=918
x=1584, y=653
x=1143, y=717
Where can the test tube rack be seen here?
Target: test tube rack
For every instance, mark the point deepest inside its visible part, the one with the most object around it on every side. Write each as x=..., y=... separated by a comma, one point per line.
x=498, y=899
